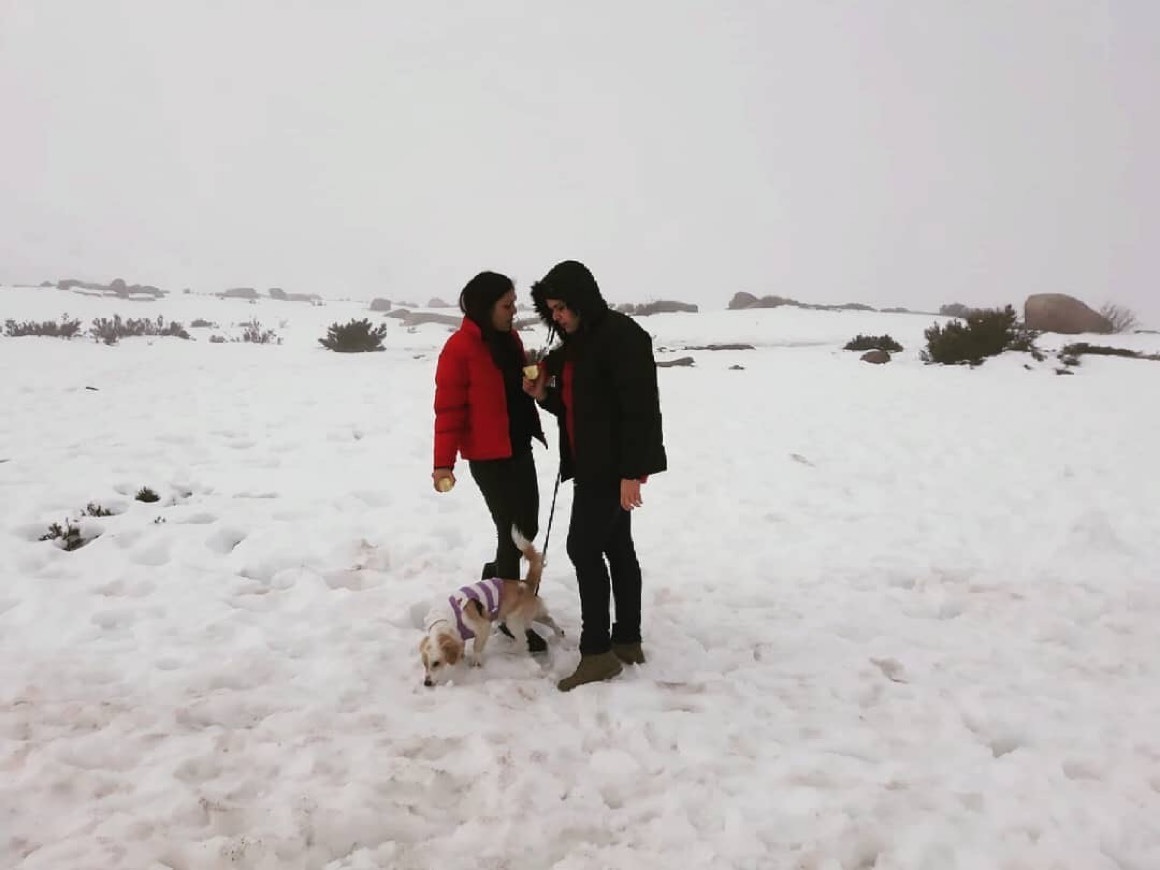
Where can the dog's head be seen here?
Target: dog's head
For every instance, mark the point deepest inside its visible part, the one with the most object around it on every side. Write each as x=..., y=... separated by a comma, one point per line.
x=440, y=650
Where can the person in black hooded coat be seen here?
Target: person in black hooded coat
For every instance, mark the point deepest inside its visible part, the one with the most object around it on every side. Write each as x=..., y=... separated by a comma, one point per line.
x=601, y=384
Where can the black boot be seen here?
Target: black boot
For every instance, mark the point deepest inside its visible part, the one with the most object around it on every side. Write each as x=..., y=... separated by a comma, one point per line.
x=536, y=644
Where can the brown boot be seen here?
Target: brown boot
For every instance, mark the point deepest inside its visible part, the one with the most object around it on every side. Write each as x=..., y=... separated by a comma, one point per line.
x=629, y=653
x=592, y=668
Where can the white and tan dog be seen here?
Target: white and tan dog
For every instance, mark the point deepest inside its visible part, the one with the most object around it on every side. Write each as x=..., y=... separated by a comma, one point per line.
x=469, y=613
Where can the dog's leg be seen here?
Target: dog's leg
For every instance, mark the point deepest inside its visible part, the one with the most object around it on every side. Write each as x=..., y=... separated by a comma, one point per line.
x=482, y=632
x=481, y=627
x=543, y=616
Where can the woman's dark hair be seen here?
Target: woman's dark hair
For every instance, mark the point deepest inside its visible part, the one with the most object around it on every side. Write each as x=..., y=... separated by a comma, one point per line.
x=479, y=296
x=476, y=301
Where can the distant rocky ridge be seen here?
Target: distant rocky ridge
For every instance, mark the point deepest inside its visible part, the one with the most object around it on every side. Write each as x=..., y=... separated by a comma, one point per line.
x=116, y=288
x=742, y=300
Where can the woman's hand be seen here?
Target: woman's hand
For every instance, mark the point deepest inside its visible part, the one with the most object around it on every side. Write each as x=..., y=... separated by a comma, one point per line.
x=443, y=479
x=537, y=388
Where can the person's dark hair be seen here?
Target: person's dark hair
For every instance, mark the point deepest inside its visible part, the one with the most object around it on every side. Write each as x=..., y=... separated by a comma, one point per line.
x=476, y=301
x=480, y=294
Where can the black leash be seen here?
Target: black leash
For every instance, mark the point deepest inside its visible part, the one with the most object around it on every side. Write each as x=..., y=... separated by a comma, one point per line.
x=551, y=516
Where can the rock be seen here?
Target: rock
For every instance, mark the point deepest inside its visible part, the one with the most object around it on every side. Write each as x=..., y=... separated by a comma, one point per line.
x=1058, y=312
x=661, y=306
x=876, y=356
x=379, y=304
x=239, y=293
x=738, y=346
x=742, y=299
x=679, y=361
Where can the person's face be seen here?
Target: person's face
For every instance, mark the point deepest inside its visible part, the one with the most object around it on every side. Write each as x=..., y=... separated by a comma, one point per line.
x=563, y=316
x=503, y=313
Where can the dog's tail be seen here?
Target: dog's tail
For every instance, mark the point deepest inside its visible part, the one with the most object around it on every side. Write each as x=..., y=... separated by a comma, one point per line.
x=535, y=559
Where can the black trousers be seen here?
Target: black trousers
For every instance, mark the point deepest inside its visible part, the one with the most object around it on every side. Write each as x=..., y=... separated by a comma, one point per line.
x=600, y=528
x=512, y=494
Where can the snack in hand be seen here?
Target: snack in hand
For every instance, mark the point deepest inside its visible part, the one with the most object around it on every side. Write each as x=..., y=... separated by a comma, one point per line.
x=444, y=484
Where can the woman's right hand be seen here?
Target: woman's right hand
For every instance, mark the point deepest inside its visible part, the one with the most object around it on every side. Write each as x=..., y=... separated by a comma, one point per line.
x=443, y=479
x=538, y=388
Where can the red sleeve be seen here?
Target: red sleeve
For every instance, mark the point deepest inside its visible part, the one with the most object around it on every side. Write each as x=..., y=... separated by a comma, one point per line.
x=450, y=403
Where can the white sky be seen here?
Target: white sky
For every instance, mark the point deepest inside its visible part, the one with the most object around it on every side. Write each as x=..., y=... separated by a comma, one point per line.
x=896, y=153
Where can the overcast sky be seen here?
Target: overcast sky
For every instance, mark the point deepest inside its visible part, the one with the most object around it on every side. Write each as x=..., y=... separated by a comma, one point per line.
x=895, y=153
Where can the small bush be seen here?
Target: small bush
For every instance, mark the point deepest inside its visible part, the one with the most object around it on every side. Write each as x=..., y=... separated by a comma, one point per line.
x=873, y=342
x=92, y=509
x=357, y=336
x=1075, y=351
x=69, y=536
x=217, y=339
x=986, y=332
x=200, y=323
x=147, y=495
x=111, y=331
x=252, y=333
x=1082, y=347
x=50, y=328
x=1120, y=318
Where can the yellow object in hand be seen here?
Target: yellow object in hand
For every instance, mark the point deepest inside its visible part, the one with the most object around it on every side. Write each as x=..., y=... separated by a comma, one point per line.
x=444, y=484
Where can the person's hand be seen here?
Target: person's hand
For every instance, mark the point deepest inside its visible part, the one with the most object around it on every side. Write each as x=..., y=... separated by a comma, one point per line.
x=630, y=494
x=538, y=388
x=443, y=479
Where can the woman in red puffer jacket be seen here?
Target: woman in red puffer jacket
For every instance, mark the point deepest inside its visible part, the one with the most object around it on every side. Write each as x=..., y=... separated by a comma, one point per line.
x=483, y=415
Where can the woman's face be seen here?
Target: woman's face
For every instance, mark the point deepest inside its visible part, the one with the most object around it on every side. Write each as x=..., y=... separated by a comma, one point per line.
x=503, y=313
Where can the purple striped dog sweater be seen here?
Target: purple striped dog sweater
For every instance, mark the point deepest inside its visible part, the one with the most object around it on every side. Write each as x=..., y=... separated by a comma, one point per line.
x=487, y=592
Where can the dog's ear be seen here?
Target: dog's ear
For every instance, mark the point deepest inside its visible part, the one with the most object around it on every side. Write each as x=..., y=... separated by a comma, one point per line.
x=449, y=648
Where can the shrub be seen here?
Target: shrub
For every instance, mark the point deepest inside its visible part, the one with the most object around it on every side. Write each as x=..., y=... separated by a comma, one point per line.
x=252, y=333
x=65, y=329
x=357, y=336
x=217, y=339
x=112, y=331
x=873, y=342
x=986, y=332
x=199, y=323
x=92, y=509
x=147, y=495
x=1120, y=318
x=1075, y=351
x=69, y=536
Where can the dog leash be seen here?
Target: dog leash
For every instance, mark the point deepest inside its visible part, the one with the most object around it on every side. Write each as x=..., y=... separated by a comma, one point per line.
x=551, y=516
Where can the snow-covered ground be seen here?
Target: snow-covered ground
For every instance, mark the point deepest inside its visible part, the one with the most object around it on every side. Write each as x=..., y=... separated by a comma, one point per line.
x=897, y=616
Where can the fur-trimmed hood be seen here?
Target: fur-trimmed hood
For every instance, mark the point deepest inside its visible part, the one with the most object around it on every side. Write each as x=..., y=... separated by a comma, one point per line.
x=572, y=283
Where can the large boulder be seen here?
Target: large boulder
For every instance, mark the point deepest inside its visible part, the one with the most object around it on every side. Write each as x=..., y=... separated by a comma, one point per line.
x=741, y=299
x=1058, y=312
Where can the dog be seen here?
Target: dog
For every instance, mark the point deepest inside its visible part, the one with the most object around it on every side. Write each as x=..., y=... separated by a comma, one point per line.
x=468, y=614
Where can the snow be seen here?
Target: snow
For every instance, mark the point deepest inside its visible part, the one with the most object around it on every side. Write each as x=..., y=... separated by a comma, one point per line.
x=897, y=616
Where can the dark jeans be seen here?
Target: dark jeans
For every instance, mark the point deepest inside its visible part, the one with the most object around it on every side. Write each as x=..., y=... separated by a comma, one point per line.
x=512, y=493
x=601, y=528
